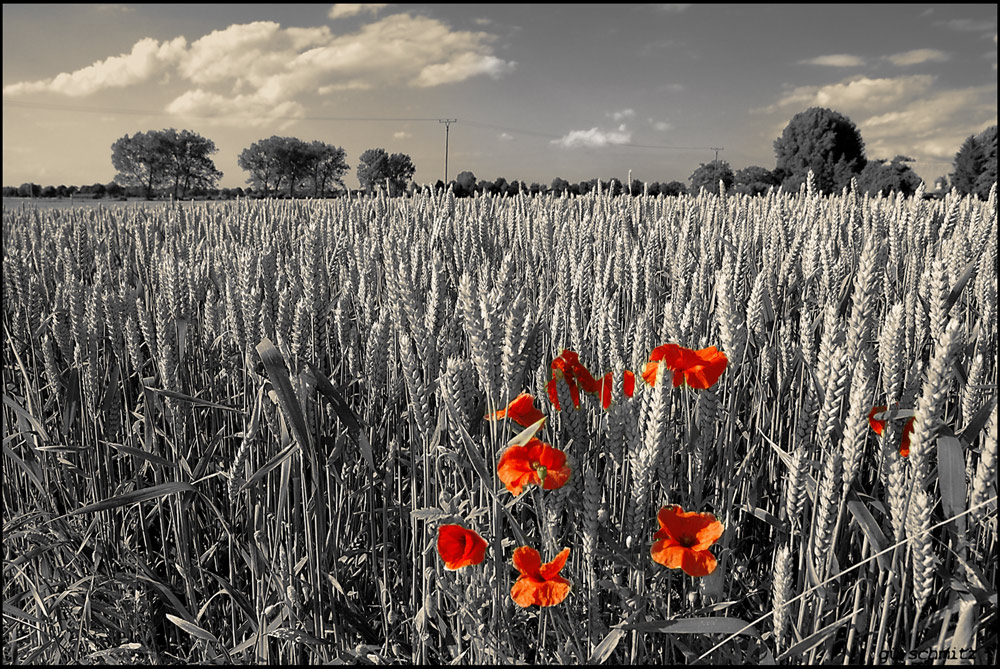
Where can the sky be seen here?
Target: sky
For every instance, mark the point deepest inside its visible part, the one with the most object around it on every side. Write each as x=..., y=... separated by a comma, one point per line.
x=537, y=91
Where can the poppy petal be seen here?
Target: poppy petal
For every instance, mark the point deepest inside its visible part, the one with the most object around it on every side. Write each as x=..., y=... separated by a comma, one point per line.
x=904, y=446
x=523, y=591
x=668, y=553
x=552, y=592
x=553, y=394
x=521, y=410
x=708, y=534
x=649, y=373
x=877, y=425
x=460, y=547
x=515, y=470
x=658, y=353
x=606, y=387
x=698, y=563
x=550, y=570
x=528, y=562
x=629, y=383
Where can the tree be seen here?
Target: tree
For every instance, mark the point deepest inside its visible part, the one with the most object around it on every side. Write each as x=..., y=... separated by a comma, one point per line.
x=263, y=161
x=889, y=177
x=500, y=186
x=823, y=141
x=189, y=164
x=987, y=141
x=401, y=171
x=673, y=188
x=293, y=157
x=465, y=184
x=114, y=190
x=142, y=160
x=29, y=190
x=754, y=180
x=968, y=165
x=327, y=165
x=708, y=175
x=378, y=169
x=559, y=185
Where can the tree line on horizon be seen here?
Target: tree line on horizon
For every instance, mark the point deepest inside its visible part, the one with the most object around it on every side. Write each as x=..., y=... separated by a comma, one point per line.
x=168, y=163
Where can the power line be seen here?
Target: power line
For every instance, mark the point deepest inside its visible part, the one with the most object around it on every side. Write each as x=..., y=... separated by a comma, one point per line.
x=521, y=131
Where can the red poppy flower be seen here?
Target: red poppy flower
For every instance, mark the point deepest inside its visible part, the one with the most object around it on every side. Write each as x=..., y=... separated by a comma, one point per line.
x=879, y=426
x=459, y=547
x=684, y=538
x=699, y=369
x=534, y=463
x=521, y=410
x=539, y=584
x=629, y=383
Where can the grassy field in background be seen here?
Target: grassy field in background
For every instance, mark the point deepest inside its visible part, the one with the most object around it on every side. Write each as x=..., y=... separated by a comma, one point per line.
x=231, y=430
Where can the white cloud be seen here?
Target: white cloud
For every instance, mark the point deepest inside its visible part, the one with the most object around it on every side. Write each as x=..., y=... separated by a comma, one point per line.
x=147, y=59
x=594, y=138
x=267, y=68
x=253, y=109
x=859, y=92
x=835, y=60
x=623, y=114
x=401, y=134
x=970, y=25
x=344, y=9
x=918, y=56
x=505, y=137
x=463, y=66
x=661, y=126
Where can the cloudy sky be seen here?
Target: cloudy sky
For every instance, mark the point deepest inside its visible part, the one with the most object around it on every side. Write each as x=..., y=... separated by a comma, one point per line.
x=538, y=91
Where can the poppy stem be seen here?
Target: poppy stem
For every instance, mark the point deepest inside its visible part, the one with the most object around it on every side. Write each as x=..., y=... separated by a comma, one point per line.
x=548, y=539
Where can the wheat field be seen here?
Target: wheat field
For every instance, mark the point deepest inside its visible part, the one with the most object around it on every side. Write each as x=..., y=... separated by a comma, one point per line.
x=231, y=432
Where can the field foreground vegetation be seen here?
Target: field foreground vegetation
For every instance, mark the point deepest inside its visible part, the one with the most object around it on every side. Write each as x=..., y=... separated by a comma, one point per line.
x=232, y=433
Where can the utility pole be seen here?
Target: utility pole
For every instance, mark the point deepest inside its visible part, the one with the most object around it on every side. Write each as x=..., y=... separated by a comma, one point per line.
x=716, y=149
x=447, y=127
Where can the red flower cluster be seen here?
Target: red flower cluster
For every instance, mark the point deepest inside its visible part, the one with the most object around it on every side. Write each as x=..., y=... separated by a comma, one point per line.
x=684, y=537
